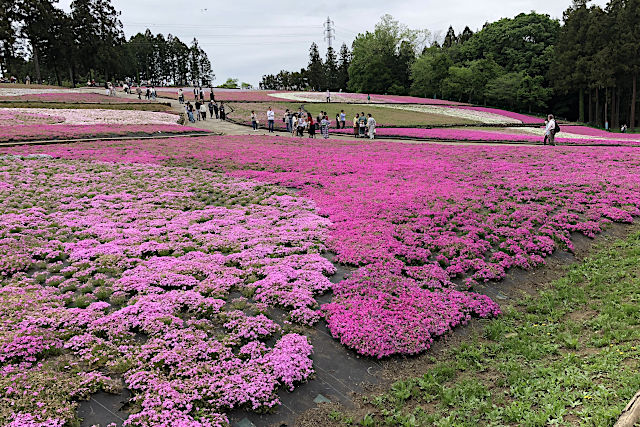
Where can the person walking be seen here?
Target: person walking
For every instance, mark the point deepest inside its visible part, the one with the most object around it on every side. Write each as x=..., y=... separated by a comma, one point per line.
x=356, y=126
x=311, y=126
x=294, y=124
x=203, y=111
x=195, y=93
x=363, y=125
x=210, y=109
x=212, y=96
x=287, y=120
x=197, y=108
x=337, y=120
x=371, y=124
x=254, y=121
x=154, y=94
x=216, y=110
x=180, y=96
x=302, y=123
x=189, y=108
x=271, y=119
x=324, y=126
x=328, y=96
x=343, y=119
x=201, y=95
x=223, y=113
x=368, y=98
x=551, y=130
x=139, y=92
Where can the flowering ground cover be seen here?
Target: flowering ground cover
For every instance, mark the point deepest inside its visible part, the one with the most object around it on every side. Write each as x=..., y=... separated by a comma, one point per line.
x=71, y=97
x=153, y=278
x=340, y=97
x=523, y=118
x=588, y=131
x=20, y=90
x=568, y=356
x=383, y=115
x=91, y=116
x=231, y=95
x=57, y=131
x=424, y=223
x=525, y=135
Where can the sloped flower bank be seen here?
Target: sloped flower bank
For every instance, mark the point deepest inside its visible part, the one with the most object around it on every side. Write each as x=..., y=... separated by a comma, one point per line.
x=153, y=278
x=524, y=135
x=421, y=221
x=59, y=131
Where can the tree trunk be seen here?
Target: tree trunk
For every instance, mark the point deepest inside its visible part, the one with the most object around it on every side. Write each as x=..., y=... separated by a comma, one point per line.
x=581, y=106
x=72, y=76
x=606, y=108
x=632, y=120
x=591, y=106
x=36, y=62
x=55, y=68
x=614, y=109
x=598, y=115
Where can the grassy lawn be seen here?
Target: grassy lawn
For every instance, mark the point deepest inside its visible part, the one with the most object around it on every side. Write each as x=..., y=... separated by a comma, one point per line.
x=569, y=356
x=383, y=115
x=82, y=106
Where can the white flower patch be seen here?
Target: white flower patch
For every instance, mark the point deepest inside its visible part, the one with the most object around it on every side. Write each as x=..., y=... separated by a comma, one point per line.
x=9, y=91
x=96, y=116
x=461, y=113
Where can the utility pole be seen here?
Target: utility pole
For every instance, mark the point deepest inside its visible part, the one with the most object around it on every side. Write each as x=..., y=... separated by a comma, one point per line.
x=329, y=32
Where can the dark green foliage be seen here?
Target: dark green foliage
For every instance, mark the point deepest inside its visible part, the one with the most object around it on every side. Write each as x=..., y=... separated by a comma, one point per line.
x=41, y=40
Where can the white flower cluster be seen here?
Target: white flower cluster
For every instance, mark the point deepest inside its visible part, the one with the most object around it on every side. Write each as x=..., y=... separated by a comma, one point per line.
x=96, y=116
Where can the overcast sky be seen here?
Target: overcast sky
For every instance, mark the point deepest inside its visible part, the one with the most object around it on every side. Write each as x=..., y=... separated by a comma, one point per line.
x=249, y=38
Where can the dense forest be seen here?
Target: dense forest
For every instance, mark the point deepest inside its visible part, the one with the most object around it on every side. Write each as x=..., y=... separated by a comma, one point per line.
x=584, y=68
x=88, y=43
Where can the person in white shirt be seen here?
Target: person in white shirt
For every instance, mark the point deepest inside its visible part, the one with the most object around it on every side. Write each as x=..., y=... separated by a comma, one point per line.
x=302, y=123
x=371, y=124
x=328, y=96
x=203, y=111
x=271, y=119
x=254, y=121
x=550, y=130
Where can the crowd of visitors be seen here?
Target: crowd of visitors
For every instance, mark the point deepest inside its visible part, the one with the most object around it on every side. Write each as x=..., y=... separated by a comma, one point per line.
x=299, y=122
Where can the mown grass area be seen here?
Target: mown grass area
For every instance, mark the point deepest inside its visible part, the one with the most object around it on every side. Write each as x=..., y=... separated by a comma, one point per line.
x=89, y=106
x=383, y=115
x=569, y=356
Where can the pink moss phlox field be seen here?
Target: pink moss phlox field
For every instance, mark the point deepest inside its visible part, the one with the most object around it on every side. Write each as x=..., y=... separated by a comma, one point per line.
x=488, y=136
x=522, y=117
x=155, y=278
x=61, y=131
x=424, y=219
x=72, y=98
x=585, y=130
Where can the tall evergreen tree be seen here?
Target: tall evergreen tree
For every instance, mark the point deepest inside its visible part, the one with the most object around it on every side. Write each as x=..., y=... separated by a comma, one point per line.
x=331, y=71
x=450, y=39
x=343, y=67
x=315, y=70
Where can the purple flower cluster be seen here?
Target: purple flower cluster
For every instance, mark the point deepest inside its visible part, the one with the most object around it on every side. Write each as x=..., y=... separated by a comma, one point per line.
x=469, y=134
x=421, y=221
x=134, y=271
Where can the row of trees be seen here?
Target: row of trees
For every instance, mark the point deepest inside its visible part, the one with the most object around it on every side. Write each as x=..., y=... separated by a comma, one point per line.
x=597, y=61
x=43, y=41
x=331, y=74
x=585, y=67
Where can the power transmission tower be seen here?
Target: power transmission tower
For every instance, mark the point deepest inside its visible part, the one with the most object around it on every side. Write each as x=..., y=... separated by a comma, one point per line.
x=329, y=31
